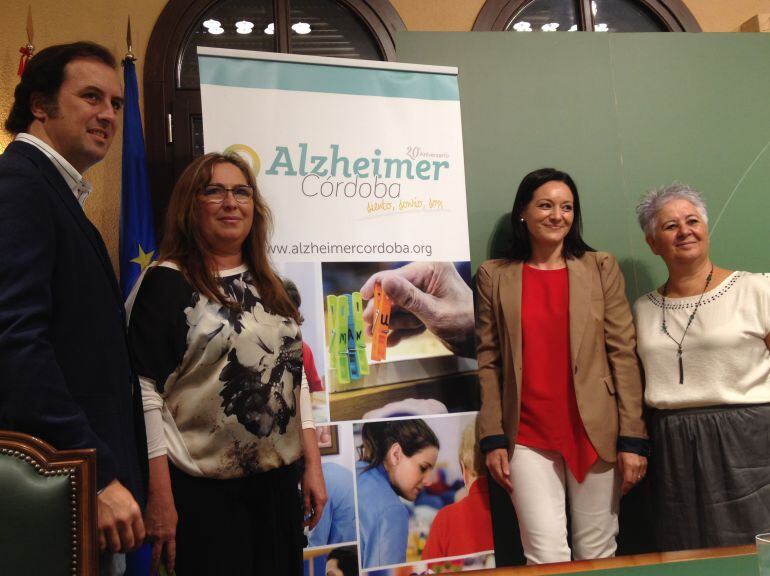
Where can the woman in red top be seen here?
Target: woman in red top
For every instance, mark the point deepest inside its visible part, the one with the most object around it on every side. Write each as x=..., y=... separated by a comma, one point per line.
x=561, y=416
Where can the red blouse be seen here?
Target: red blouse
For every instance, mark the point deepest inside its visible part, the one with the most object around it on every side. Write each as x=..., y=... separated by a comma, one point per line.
x=464, y=527
x=549, y=414
x=308, y=364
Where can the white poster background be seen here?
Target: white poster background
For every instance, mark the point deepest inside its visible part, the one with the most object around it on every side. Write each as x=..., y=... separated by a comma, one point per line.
x=426, y=219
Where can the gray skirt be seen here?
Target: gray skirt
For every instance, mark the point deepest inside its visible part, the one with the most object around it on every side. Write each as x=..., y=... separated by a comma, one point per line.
x=710, y=475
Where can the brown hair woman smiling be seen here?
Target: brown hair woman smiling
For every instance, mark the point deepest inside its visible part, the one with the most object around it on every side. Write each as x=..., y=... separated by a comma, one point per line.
x=561, y=389
x=216, y=343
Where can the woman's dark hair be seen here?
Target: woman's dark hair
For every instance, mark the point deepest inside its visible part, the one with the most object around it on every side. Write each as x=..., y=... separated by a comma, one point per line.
x=347, y=559
x=378, y=437
x=521, y=249
x=44, y=74
x=293, y=293
x=183, y=240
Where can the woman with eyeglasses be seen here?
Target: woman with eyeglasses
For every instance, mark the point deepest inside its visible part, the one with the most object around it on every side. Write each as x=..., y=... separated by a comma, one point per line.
x=217, y=346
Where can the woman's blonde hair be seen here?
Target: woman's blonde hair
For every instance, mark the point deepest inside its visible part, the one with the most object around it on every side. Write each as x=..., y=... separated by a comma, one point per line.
x=183, y=240
x=470, y=452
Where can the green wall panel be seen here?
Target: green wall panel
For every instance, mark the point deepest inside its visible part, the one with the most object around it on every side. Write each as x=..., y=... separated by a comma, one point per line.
x=622, y=113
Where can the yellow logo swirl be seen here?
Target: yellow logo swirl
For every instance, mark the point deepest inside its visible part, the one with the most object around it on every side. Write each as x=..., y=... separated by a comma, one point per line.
x=248, y=154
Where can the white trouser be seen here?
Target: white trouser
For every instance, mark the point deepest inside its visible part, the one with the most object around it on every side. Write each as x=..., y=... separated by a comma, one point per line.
x=542, y=484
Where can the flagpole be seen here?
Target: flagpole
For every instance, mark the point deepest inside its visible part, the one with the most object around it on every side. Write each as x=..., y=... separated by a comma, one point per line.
x=29, y=49
x=129, y=47
x=137, y=233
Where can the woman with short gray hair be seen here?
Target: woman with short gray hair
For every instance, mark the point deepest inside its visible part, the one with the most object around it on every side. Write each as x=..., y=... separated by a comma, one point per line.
x=704, y=341
x=655, y=199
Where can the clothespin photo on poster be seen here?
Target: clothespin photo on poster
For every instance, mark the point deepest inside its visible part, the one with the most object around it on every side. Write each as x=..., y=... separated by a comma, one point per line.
x=345, y=333
x=381, y=324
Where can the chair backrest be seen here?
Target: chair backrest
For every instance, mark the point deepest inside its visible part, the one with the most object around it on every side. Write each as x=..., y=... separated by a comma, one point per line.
x=47, y=508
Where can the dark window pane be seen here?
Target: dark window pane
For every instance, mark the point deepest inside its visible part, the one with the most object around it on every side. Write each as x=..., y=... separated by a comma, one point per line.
x=327, y=28
x=546, y=15
x=196, y=135
x=227, y=13
x=625, y=16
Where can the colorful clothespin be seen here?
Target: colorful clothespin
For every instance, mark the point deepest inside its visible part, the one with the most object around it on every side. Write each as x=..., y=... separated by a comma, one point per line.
x=331, y=324
x=356, y=322
x=340, y=359
x=381, y=325
x=345, y=334
x=355, y=374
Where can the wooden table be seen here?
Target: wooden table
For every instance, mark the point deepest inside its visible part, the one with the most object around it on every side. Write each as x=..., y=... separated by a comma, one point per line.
x=730, y=561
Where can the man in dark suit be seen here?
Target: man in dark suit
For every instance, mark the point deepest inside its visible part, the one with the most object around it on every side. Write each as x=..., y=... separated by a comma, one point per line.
x=65, y=374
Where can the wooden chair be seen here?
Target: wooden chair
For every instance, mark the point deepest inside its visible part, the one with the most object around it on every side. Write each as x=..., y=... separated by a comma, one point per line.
x=47, y=508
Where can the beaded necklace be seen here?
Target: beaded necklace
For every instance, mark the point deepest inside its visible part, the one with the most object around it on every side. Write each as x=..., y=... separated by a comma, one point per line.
x=664, y=328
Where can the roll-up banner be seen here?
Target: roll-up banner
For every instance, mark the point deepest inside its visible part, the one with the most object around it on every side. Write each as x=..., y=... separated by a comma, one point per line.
x=361, y=164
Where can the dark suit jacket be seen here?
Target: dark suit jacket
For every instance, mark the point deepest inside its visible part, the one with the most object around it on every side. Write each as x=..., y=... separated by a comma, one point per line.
x=65, y=374
x=605, y=369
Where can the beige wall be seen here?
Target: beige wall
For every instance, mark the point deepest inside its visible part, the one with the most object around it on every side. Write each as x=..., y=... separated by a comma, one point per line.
x=725, y=15
x=438, y=15
x=58, y=21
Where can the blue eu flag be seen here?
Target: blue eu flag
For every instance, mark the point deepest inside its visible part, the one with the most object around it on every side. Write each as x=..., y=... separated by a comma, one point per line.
x=137, y=235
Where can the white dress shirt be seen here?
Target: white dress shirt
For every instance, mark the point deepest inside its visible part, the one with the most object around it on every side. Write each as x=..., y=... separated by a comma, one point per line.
x=80, y=188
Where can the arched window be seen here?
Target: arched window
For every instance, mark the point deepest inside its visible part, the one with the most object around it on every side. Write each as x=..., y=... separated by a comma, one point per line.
x=174, y=128
x=586, y=15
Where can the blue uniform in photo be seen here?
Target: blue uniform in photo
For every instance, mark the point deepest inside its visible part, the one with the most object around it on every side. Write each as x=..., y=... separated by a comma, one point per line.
x=337, y=523
x=383, y=518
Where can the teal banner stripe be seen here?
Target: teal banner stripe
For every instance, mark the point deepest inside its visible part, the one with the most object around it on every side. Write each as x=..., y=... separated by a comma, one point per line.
x=244, y=73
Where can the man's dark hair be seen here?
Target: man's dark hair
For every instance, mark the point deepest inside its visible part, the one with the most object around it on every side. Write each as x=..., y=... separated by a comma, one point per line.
x=44, y=74
x=347, y=559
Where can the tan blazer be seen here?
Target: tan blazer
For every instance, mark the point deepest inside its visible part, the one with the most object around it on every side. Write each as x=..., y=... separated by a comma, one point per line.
x=605, y=370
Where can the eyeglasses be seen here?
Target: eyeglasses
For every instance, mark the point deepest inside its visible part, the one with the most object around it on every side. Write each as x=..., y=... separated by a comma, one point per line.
x=216, y=193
